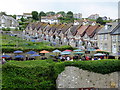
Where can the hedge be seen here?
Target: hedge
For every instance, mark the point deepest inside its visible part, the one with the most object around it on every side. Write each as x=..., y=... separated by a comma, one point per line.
x=42, y=74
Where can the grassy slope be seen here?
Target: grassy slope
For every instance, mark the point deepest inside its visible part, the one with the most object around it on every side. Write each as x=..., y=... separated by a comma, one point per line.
x=11, y=43
x=42, y=74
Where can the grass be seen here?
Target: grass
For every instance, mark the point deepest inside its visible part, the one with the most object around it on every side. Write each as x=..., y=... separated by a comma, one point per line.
x=12, y=43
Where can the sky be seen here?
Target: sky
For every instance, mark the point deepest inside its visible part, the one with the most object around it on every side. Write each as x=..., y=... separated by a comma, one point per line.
x=107, y=8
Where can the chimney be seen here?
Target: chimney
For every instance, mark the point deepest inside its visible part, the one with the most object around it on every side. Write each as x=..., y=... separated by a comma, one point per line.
x=106, y=26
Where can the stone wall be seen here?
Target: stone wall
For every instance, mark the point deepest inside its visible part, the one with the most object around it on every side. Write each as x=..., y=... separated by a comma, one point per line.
x=73, y=77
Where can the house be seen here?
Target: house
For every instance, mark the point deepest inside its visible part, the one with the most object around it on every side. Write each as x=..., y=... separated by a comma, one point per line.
x=84, y=22
x=77, y=15
x=50, y=19
x=115, y=39
x=27, y=15
x=8, y=22
x=81, y=31
x=90, y=35
x=104, y=37
x=18, y=17
x=93, y=16
x=72, y=33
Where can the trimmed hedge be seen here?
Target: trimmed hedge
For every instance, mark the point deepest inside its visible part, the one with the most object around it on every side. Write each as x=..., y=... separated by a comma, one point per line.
x=42, y=75
x=98, y=66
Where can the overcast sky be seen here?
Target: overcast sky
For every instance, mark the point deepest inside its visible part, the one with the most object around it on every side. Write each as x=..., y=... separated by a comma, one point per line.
x=107, y=8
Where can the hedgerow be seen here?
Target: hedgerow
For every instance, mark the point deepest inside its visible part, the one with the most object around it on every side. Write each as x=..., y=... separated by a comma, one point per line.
x=42, y=75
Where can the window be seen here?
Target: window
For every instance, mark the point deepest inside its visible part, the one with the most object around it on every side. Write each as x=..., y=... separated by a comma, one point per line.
x=105, y=46
x=101, y=45
x=119, y=38
x=105, y=37
x=101, y=37
x=114, y=38
x=119, y=49
x=95, y=37
x=114, y=46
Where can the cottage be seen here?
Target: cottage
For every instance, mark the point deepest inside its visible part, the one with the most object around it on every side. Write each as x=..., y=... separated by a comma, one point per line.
x=81, y=31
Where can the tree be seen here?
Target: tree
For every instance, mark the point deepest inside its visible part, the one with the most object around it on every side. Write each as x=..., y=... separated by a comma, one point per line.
x=35, y=15
x=100, y=21
x=62, y=13
x=14, y=16
x=51, y=13
x=69, y=14
x=42, y=13
x=3, y=13
x=22, y=19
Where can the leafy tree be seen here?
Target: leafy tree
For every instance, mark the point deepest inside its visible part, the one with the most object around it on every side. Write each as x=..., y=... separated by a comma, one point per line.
x=62, y=13
x=14, y=16
x=100, y=21
x=3, y=13
x=35, y=15
x=22, y=19
x=69, y=14
x=51, y=13
x=42, y=13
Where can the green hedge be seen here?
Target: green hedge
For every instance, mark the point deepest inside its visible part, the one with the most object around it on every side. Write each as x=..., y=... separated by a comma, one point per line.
x=42, y=74
x=98, y=66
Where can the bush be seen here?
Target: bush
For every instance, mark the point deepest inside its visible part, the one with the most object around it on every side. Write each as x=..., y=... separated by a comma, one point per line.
x=98, y=66
x=6, y=29
x=42, y=74
x=64, y=47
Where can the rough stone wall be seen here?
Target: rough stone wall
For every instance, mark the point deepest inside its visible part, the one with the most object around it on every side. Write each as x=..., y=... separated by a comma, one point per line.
x=73, y=77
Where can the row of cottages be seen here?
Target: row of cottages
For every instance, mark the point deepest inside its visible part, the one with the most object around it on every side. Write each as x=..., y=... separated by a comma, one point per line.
x=80, y=36
x=109, y=38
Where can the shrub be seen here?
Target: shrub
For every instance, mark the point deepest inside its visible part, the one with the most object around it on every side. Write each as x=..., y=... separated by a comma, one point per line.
x=42, y=74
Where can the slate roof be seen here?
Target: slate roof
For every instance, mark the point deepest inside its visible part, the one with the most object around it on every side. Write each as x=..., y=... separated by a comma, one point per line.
x=116, y=30
x=55, y=27
x=109, y=29
x=92, y=30
x=49, y=27
x=82, y=30
x=43, y=26
x=33, y=25
x=74, y=29
x=38, y=25
x=66, y=27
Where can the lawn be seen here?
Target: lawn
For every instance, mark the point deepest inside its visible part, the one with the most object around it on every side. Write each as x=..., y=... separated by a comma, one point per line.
x=41, y=74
